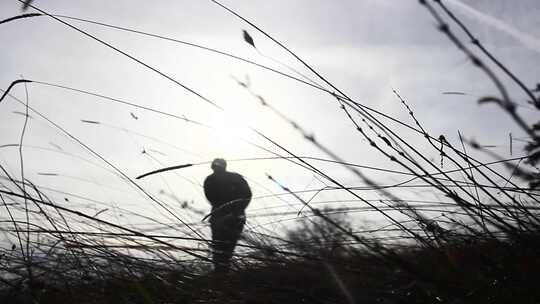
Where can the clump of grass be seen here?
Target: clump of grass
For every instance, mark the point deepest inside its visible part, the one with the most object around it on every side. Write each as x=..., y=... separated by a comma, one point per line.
x=484, y=251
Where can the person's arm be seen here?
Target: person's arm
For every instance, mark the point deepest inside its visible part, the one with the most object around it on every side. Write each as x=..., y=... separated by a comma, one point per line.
x=244, y=192
x=209, y=192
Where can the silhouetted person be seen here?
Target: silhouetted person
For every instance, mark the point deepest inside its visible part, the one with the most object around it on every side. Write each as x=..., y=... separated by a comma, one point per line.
x=229, y=195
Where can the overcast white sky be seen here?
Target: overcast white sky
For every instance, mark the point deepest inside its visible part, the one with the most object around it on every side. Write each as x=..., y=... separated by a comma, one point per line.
x=365, y=47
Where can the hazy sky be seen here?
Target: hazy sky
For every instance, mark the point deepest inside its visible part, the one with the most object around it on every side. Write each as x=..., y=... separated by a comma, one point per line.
x=365, y=47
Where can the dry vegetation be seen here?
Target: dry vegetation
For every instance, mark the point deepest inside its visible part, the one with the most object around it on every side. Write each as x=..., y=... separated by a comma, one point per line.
x=486, y=251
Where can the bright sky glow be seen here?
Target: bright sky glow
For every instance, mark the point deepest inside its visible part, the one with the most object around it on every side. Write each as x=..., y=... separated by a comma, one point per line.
x=366, y=48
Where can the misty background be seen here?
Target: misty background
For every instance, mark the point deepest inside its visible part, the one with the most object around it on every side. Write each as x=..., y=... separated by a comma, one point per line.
x=367, y=48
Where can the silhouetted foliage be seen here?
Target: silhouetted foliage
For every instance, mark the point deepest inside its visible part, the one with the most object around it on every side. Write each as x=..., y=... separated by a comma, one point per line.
x=485, y=250
x=317, y=237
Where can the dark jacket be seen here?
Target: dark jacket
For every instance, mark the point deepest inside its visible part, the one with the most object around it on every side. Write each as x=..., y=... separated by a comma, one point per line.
x=227, y=192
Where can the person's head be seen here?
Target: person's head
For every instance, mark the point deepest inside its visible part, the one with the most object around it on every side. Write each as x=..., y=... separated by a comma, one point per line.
x=219, y=165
